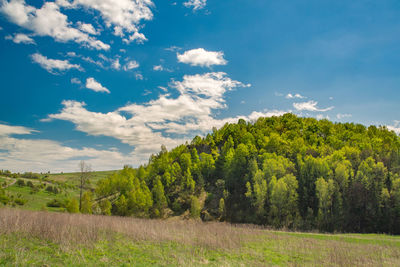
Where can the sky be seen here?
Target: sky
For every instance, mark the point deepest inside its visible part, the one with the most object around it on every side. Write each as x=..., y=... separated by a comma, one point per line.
x=110, y=81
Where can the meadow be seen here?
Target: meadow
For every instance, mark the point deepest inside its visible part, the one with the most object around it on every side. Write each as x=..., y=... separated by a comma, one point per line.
x=36, y=197
x=38, y=238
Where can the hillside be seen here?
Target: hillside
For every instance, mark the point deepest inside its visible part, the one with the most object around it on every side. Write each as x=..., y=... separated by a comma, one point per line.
x=287, y=171
x=47, y=191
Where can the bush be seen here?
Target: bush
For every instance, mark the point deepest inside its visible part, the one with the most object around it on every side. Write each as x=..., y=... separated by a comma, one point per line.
x=3, y=197
x=195, y=208
x=20, y=201
x=55, y=203
x=73, y=206
x=30, y=184
x=20, y=182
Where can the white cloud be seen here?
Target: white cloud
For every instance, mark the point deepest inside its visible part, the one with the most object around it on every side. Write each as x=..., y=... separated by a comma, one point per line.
x=162, y=88
x=202, y=57
x=54, y=65
x=7, y=130
x=290, y=96
x=340, y=116
x=132, y=64
x=310, y=106
x=20, y=38
x=124, y=15
x=139, y=76
x=88, y=28
x=173, y=48
x=138, y=37
x=40, y=155
x=158, y=68
x=321, y=117
x=394, y=129
x=116, y=65
x=146, y=126
x=75, y=81
x=94, y=85
x=47, y=21
x=72, y=54
x=195, y=4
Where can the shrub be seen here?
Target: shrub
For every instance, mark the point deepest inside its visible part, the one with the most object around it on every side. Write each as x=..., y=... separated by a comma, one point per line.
x=20, y=182
x=20, y=201
x=73, y=206
x=195, y=208
x=55, y=203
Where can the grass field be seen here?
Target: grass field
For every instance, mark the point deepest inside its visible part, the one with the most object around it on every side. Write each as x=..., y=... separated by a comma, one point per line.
x=66, y=183
x=51, y=239
x=73, y=178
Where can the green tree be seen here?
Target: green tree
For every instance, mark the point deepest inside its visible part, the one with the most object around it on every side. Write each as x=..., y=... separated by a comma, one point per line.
x=73, y=206
x=87, y=202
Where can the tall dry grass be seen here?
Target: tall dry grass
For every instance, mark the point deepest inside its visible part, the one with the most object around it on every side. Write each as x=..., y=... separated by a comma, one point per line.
x=255, y=244
x=66, y=229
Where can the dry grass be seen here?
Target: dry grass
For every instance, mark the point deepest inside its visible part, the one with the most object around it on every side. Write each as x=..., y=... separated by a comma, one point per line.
x=228, y=245
x=64, y=228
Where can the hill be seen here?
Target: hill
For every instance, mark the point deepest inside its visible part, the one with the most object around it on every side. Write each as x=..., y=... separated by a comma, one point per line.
x=287, y=171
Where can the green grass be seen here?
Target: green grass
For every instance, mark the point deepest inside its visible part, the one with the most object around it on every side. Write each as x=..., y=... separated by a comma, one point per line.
x=73, y=178
x=121, y=251
x=68, y=183
x=41, y=239
x=38, y=200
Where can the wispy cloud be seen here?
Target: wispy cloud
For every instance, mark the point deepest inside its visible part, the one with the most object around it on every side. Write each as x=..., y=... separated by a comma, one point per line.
x=291, y=96
x=310, y=106
x=340, y=116
x=20, y=38
x=195, y=4
x=54, y=66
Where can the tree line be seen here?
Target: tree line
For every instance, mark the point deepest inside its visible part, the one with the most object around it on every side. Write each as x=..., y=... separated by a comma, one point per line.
x=286, y=172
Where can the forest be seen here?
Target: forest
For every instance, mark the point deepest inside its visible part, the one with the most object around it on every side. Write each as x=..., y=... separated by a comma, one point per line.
x=285, y=172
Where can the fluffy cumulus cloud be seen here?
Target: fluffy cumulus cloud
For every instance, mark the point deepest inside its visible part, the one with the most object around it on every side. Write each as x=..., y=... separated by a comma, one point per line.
x=20, y=38
x=38, y=155
x=88, y=28
x=54, y=66
x=166, y=120
x=202, y=57
x=124, y=16
x=94, y=85
x=130, y=65
x=48, y=21
x=395, y=128
x=195, y=4
x=310, y=106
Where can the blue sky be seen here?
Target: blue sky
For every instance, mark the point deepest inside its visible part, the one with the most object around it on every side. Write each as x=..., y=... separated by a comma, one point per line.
x=109, y=81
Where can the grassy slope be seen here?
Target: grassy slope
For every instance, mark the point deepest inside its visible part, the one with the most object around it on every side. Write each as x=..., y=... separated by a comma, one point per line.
x=67, y=182
x=125, y=241
x=73, y=178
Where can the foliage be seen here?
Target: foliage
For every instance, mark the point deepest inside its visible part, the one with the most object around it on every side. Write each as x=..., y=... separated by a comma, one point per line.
x=87, y=202
x=72, y=206
x=282, y=171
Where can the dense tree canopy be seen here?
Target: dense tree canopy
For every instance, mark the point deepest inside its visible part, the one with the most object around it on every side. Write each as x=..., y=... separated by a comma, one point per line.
x=282, y=171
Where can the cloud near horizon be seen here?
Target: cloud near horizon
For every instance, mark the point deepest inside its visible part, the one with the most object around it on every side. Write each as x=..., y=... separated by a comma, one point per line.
x=165, y=120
